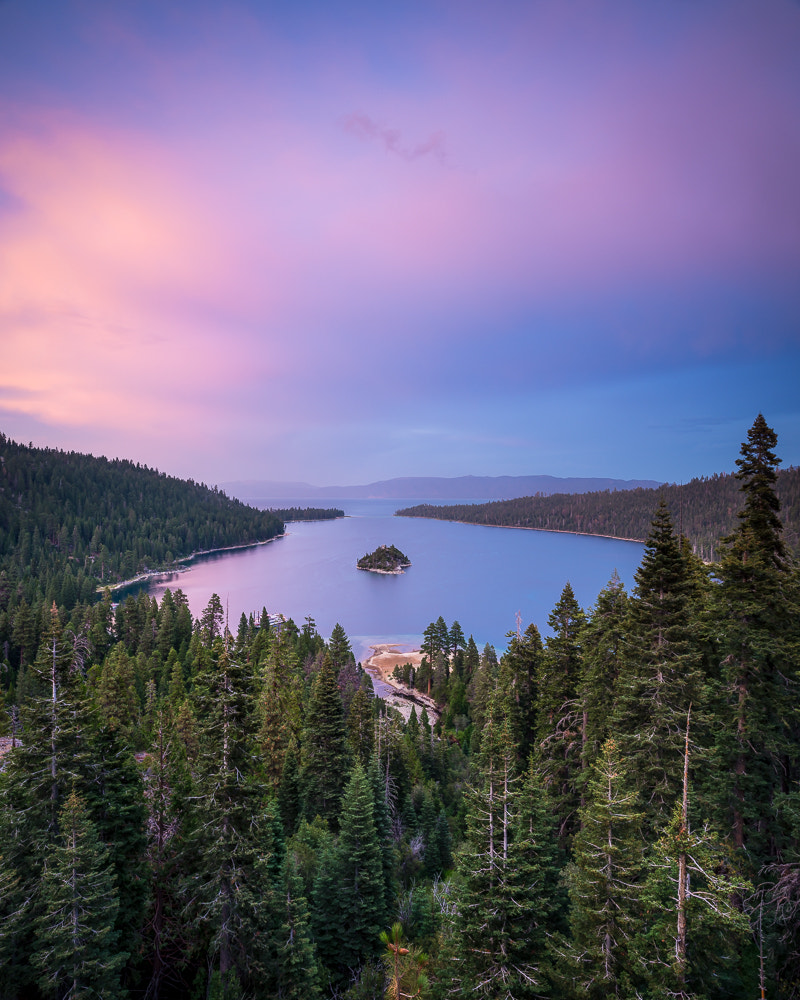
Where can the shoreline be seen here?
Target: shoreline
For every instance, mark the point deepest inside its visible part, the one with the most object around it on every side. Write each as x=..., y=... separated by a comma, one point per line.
x=151, y=574
x=383, y=572
x=380, y=664
x=527, y=527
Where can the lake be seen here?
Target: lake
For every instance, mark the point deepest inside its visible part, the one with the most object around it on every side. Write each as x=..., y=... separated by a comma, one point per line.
x=481, y=576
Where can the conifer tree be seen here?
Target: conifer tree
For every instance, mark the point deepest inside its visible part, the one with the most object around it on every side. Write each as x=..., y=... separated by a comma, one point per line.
x=757, y=610
x=114, y=797
x=693, y=927
x=289, y=790
x=297, y=972
x=603, y=882
x=662, y=672
x=483, y=686
x=38, y=775
x=603, y=644
x=427, y=825
x=339, y=649
x=361, y=727
x=326, y=929
x=165, y=931
x=231, y=839
x=471, y=660
x=13, y=906
x=359, y=870
x=383, y=829
x=324, y=758
x=559, y=721
x=76, y=951
x=275, y=717
x=405, y=967
x=519, y=672
x=494, y=944
x=456, y=640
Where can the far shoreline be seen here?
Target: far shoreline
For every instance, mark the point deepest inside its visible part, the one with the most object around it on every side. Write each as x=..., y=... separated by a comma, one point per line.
x=525, y=527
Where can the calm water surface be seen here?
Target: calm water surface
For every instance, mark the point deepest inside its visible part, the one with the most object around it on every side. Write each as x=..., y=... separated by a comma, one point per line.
x=479, y=575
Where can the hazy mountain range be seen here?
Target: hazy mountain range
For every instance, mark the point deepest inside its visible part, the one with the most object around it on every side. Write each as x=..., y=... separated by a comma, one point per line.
x=434, y=487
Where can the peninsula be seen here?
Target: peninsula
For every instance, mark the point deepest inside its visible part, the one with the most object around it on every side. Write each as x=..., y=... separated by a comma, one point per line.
x=385, y=559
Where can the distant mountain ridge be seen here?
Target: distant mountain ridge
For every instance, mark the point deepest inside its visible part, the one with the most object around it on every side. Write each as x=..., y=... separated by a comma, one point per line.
x=437, y=487
x=705, y=510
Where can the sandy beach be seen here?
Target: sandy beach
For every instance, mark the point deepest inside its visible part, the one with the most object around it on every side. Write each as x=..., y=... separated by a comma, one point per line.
x=385, y=657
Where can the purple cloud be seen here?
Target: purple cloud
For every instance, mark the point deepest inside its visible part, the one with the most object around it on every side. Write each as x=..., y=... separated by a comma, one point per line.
x=365, y=128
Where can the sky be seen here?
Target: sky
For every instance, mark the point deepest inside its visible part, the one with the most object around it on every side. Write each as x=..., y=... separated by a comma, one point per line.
x=338, y=242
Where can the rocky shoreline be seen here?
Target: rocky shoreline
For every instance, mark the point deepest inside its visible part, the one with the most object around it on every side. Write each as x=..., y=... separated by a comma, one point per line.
x=380, y=665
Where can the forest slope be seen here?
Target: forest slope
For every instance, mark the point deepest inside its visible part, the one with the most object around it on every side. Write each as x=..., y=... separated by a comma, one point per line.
x=704, y=510
x=69, y=521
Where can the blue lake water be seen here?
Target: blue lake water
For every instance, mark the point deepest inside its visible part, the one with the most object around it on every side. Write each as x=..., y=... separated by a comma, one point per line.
x=479, y=575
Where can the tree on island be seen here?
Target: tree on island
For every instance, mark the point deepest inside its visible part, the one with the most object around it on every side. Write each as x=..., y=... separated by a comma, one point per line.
x=385, y=559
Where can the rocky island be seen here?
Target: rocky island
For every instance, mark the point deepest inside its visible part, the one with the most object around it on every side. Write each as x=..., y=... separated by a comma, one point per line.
x=385, y=559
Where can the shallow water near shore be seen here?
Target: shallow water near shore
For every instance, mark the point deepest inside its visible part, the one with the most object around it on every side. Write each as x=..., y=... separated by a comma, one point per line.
x=481, y=576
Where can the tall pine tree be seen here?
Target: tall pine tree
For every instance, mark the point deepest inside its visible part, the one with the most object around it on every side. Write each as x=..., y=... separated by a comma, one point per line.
x=757, y=613
x=662, y=672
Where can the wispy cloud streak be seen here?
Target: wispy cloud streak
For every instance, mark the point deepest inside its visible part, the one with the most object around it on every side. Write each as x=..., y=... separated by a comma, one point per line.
x=364, y=127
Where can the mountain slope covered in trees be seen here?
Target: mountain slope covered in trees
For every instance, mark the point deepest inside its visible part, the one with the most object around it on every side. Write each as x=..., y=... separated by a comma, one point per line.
x=704, y=510
x=70, y=522
x=189, y=810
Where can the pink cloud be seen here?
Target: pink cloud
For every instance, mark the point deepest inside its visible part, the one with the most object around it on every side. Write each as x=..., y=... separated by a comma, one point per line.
x=255, y=230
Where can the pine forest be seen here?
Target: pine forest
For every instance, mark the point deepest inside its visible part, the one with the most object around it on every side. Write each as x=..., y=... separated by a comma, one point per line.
x=703, y=510
x=198, y=809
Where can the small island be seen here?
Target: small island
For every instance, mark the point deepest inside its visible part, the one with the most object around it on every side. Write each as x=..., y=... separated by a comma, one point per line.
x=385, y=559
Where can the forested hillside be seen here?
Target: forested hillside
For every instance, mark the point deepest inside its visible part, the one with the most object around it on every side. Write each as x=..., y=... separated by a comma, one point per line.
x=191, y=811
x=70, y=522
x=704, y=510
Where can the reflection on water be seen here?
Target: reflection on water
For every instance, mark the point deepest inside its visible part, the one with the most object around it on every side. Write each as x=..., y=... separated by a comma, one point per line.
x=479, y=575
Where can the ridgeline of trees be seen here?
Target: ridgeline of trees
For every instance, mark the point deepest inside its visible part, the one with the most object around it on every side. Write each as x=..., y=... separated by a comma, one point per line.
x=70, y=522
x=703, y=510
x=307, y=513
x=191, y=811
x=385, y=559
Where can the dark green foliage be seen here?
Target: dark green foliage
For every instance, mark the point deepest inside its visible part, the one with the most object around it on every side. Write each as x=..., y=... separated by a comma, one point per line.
x=325, y=919
x=199, y=861
x=703, y=508
x=385, y=559
x=361, y=727
x=359, y=873
x=232, y=839
x=297, y=973
x=115, y=799
x=716, y=930
x=506, y=877
x=289, y=799
x=168, y=828
x=383, y=831
x=276, y=703
x=559, y=720
x=520, y=667
x=339, y=649
x=76, y=951
x=757, y=610
x=325, y=757
x=661, y=673
x=603, y=644
x=603, y=882
x=107, y=519
x=306, y=513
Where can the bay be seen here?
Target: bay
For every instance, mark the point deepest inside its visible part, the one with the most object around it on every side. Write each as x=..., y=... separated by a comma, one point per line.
x=481, y=576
